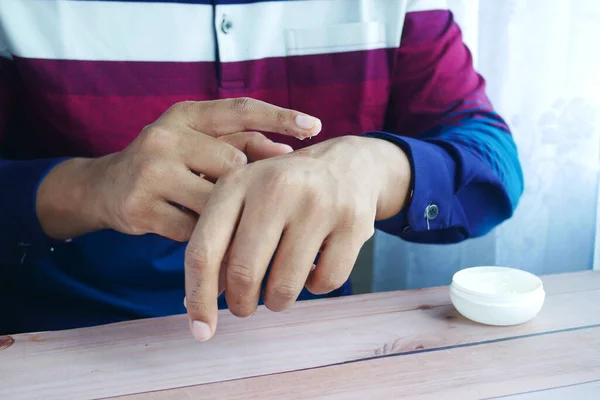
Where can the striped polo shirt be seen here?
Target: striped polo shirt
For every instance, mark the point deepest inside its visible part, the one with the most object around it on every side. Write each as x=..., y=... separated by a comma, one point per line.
x=83, y=77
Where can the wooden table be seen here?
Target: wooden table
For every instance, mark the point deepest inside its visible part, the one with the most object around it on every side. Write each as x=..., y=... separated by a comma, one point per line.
x=409, y=344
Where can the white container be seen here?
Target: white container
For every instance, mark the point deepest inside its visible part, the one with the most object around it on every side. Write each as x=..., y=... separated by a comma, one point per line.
x=497, y=295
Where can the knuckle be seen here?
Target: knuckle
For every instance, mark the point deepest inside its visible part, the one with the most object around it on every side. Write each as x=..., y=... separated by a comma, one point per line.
x=329, y=283
x=280, y=296
x=276, y=179
x=216, y=123
x=179, y=107
x=196, y=304
x=285, y=291
x=196, y=256
x=318, y=201
x=349, y=217
x=353, y=216
x=282, y=116
x=156, y=139
x=349, y=210
x=241, y=275
x=255, y=135
x=233, y=178
x=232, y=157
x=239, y=158
x=241, y=106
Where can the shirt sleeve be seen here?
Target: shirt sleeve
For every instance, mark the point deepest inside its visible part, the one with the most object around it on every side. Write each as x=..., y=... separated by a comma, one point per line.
x=466, y=176
x=21, y=236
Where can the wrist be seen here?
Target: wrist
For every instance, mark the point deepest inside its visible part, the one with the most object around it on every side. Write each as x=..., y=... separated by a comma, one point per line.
x=392, y=167
x=66, y=203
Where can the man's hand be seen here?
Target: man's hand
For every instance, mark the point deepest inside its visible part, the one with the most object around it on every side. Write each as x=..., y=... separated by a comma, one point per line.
x=156, y=185
x=322, y=198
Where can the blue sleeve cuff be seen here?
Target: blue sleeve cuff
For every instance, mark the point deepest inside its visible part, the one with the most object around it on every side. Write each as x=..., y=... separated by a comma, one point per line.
x=430, y=216
x=21, y=236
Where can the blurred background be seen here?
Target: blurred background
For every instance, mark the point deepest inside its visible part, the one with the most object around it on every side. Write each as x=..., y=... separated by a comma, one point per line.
x=541, y=60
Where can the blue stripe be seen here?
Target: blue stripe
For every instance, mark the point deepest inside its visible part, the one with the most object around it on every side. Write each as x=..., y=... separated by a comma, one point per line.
x=494, y=146
x=449, y=121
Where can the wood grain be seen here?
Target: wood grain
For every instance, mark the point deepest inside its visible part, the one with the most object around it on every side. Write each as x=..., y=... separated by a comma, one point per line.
x=582, y=391
x=473, y=372
x=155, y=354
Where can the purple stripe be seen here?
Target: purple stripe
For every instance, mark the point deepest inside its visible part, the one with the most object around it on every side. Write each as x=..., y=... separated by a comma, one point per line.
x=119, y=78
x=7, y=77
x=350, y=67
x=434, y=83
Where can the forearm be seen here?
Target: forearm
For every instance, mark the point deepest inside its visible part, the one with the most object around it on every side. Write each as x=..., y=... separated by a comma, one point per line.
x=43, y=202
x=466, y=180
x=65, y=203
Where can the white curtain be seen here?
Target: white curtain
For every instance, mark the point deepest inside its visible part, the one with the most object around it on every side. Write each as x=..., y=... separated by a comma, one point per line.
x=541, y=59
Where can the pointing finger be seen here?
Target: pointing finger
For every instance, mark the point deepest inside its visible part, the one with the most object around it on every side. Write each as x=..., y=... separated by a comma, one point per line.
x=223, y=117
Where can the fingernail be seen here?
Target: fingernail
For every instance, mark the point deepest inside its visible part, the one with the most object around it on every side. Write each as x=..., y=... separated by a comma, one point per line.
x=286, y=148
x=201, y=331
x=306, y=122
x=184, y=303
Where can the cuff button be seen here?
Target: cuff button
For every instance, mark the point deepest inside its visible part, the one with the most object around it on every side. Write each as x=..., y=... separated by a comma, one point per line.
x=432, y=211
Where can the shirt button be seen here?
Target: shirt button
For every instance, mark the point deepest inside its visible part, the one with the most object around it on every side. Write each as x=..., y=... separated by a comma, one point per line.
x=226, y=25
x=432, y=211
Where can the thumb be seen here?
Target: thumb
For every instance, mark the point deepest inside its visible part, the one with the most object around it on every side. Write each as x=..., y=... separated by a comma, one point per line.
x=255, y=145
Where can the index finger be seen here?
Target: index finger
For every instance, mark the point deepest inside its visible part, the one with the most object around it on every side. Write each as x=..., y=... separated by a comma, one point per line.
x=203, y=257
x=224, y=117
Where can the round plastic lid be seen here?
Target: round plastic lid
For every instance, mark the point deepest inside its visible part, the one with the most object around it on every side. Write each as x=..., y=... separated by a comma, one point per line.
x=496, y=281
x=497, y=295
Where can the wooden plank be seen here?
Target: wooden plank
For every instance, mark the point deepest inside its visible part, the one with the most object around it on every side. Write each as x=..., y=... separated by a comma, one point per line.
x=472, y=372
x=571, y=282
x=156, y=354
x=582, y=391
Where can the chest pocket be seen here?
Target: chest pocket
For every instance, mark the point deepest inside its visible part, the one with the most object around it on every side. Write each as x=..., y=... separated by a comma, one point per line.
x=341, y=74
x=337, y=38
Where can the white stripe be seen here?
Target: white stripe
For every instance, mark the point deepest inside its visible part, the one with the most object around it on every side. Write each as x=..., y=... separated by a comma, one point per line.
x=275, y=29
x=336, y=38
x=426, y=5
x=96, y=30
x=90, y=30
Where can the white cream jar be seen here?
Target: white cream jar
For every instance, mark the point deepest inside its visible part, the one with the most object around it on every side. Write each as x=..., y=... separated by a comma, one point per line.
x=497, y=295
